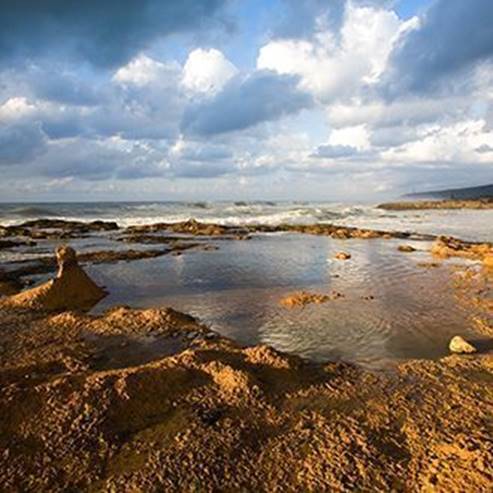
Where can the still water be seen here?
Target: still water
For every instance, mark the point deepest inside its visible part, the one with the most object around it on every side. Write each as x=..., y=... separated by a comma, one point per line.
x=393, y=309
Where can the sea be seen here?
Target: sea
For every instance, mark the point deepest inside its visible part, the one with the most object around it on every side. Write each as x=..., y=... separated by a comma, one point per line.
x=465, y=224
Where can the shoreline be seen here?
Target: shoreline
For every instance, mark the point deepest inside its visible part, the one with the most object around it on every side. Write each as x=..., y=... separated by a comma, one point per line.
x=150, y=399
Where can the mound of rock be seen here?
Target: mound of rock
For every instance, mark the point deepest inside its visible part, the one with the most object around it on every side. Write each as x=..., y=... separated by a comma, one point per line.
x=445, y=247
x=71, y=289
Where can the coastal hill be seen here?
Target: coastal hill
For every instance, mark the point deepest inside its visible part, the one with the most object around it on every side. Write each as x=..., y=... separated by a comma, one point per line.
x=469, y=193
x=456, y=198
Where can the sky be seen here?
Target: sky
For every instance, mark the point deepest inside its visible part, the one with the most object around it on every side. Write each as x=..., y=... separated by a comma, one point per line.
x=346, y=100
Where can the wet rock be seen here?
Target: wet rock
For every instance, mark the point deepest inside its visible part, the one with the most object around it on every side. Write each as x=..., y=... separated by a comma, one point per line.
x=303, y=298
x=488, y=261
x=445, y=247
x=406, y=248
x=429, y=265
x=56, y=228
x=460, y=346
x=342, y=256
x=4, y=244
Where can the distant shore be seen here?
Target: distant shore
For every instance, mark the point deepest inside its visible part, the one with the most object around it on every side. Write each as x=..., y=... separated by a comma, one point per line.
x=438, y=204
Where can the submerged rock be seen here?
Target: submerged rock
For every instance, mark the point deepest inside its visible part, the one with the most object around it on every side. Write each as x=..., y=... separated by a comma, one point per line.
x=406, y=248
x=460, y=346
x=302, y=298
x=72, y=288
x=342, y=256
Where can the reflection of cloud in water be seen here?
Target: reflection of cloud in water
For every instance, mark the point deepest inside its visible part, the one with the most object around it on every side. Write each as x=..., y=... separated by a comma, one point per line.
x=236, y=290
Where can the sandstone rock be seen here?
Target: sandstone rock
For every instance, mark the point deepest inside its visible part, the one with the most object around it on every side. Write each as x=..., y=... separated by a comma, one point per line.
x=460, y=346
x=488, y=261
x=342, y=256
x=71, y=289
x=406, y=248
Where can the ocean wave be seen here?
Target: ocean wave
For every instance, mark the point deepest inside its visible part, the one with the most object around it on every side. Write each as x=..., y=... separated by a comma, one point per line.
x=34, y=212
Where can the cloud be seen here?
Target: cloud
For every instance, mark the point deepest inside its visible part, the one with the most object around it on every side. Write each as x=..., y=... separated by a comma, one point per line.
x=334, y=151
x=106, y=34
x=64, y=87
x=300, y=19
x=20, y=143
x=484, y=149
x=453, y=36
x=98, y=160
x=207, y=71
x=144, y=71
x=245, y=102
x=338, y=64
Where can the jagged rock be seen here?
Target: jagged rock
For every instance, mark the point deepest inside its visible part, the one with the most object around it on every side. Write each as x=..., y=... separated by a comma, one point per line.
x=460, y=346
x=72, y=288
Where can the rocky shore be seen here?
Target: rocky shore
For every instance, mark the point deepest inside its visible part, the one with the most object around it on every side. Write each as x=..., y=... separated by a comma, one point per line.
x=151, y=400
x=438, y=204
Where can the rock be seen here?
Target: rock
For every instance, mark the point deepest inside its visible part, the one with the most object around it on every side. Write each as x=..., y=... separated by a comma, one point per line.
x=342, y=256
x=303, y=298
x=406, y=248
x=460, y=346
x=488, y=261
x=71, y=289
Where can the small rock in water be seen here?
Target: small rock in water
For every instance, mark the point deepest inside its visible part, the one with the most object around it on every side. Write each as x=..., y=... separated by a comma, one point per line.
x=406, y=248
x=460, y=346
x=343, y=256
x=488, y=261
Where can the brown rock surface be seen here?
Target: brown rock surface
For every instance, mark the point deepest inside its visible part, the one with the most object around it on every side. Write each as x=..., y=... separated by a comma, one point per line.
x=212, y=416
x=72, y=288
x=406, y=248
x=445, y=247
x=302, y=298
x=342, y=256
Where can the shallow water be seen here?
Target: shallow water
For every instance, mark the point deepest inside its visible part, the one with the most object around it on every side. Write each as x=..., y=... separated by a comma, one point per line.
x=236, y=291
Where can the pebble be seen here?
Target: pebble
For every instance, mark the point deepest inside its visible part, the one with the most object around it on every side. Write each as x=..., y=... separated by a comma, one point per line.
x=460, y=346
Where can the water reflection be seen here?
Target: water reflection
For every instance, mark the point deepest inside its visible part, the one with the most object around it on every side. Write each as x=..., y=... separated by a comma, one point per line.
x=392, y=309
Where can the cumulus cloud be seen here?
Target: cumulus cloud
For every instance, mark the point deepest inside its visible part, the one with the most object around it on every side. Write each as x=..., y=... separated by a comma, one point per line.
x=207, y=71
x=339, y=65
x=452, y=37
x=144, y=71
x=245, y=102
x=106, y=34
x=92, y=108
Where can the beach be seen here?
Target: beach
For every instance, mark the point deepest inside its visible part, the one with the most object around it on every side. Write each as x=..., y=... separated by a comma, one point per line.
x=245, y=352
